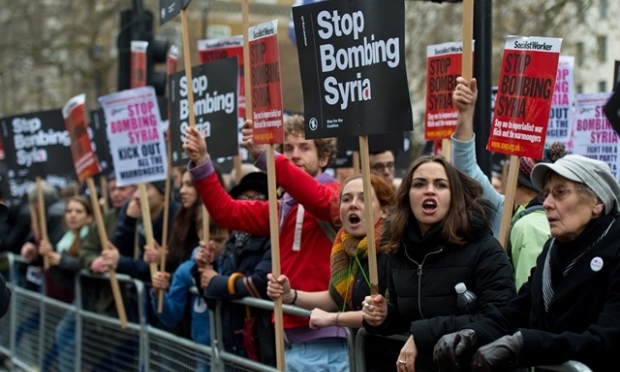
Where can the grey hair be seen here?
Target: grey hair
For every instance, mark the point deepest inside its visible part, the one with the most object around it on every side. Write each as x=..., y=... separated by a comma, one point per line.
x=50, y=194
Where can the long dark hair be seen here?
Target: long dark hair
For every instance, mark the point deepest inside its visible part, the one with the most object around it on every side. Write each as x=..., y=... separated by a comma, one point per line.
x=183, y=237
x=466, y=203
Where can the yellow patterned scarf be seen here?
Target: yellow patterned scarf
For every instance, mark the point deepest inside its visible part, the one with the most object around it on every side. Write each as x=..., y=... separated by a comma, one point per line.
x=344, y=265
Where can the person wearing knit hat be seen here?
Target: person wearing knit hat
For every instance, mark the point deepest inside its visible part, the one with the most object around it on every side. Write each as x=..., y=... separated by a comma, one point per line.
x=529, y=228
x=568, y=309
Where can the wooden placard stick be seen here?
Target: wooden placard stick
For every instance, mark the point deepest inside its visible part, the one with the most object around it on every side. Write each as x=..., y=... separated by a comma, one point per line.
x=42, y=220
x=103, y=184
x=164, y=233
x=368, y=216
x=510, y=188
x=103, y=237
x=146, y=221
x=274, y=228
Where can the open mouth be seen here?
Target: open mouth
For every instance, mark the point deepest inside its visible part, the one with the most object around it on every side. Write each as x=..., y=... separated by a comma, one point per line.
x=429, y=205
x=354, y=220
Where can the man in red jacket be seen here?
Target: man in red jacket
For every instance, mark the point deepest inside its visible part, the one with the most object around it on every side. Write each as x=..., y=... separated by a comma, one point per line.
x=307, y=210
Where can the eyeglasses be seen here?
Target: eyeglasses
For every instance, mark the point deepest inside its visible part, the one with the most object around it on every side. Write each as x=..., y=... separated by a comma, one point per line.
x=380, y=167
x=252, y=197
x=558, y=193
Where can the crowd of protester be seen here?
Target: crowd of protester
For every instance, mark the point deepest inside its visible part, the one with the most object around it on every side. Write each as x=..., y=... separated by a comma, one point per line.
x=550, y=296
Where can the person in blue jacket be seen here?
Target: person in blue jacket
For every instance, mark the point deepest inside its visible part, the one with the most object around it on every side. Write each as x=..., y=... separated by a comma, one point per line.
x=177, y=292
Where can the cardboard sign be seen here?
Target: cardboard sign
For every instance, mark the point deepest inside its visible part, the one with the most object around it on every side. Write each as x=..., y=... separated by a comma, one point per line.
x=215, y=108
x=138, y=63
x=398, y=143
x=593, y=135
x=443, y=66
x=100, y=140
x=135, y=135
x=169, y=9
x=352, y=64
x=84, y=158
x=35, y=144
x=561, y=115
x=524, y=97
x=612, y=109
x=266, y=84
x=214, y=49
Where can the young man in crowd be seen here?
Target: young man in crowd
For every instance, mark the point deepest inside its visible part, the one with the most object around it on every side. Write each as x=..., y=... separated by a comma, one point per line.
x=307, y=211
x=382, y=164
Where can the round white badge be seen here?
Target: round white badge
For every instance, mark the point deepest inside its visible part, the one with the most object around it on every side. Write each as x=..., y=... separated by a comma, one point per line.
x=596, y=264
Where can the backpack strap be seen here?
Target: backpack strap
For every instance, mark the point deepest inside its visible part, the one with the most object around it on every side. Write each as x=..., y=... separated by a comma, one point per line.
x=329, y=229
x=526, y=211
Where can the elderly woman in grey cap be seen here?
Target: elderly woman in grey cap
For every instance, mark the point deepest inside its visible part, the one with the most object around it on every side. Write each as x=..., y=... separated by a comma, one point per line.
x=570, y=307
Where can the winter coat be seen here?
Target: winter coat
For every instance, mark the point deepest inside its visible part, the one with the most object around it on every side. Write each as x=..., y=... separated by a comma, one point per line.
x=422, y=300
x=583, y=319
x=253, y=261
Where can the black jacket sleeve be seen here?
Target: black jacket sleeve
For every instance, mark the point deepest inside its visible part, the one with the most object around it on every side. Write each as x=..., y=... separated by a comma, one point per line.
x=5, y=297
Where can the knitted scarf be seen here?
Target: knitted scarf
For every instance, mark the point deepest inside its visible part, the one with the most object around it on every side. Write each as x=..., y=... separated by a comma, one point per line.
x=344, y=266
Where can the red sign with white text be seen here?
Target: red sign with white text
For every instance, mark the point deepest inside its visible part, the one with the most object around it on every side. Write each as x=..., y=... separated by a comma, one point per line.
x=214, y=49
x=525, y=93
x=443, y=66
x=84, y=158
x=266, y=84
x=138, y=63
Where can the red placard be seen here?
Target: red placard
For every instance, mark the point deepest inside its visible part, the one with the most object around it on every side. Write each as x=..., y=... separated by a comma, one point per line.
x=443, y=66
x=138, y=63
x=84, y=158
x=524, y=97
x=214, y=49
x=266, y=84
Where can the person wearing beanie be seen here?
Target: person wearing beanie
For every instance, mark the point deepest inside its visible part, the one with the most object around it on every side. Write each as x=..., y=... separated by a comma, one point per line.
x=568, y=308
x=529, y=229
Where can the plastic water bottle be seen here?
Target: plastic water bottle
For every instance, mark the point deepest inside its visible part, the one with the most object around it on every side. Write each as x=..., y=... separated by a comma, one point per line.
x=466, y=300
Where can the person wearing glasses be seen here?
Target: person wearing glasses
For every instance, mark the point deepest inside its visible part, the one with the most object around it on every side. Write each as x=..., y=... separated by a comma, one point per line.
x=569, y=309
x=382, y=164
x=529, y=229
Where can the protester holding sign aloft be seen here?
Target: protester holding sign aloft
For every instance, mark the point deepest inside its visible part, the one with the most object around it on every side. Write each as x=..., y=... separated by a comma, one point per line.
x=439, y=235
x=529, y=228
x=54, y=213
x=308, y=209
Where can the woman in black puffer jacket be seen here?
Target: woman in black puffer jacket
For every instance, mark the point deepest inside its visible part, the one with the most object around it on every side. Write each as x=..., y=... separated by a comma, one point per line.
x=439, y=235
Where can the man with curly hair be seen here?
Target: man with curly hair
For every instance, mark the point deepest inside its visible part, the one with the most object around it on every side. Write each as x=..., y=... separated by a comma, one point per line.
x=307, y=211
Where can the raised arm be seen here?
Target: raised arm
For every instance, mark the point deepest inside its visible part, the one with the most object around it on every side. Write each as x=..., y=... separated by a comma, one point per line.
x=249, y=216
x=464, y=146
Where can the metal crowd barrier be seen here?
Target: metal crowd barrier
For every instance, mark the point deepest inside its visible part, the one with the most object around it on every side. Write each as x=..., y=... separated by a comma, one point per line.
x=40, y=333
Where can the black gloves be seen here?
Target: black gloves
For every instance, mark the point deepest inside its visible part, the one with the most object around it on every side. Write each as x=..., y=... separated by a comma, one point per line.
x=499, y=355
x=453, y=350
